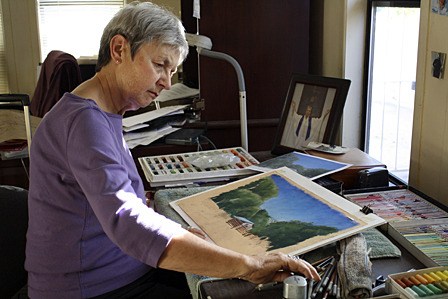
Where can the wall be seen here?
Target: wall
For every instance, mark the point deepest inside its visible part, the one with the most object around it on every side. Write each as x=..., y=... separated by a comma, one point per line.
x=429, y=154
x=343, y=56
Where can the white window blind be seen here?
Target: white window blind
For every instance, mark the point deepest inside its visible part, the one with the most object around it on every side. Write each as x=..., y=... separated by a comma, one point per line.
x=74, y=26
x=4, y=86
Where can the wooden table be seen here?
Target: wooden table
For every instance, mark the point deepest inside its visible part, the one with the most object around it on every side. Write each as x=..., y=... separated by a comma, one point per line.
x=359, y=160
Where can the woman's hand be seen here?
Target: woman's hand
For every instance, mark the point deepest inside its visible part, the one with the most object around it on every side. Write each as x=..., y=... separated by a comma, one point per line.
x=277, y=267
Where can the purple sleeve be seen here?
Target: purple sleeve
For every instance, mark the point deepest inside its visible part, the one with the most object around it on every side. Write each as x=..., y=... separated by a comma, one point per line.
x=100, y=162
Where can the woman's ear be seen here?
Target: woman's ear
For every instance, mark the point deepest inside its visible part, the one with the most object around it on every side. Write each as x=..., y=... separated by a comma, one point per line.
x=118, y=44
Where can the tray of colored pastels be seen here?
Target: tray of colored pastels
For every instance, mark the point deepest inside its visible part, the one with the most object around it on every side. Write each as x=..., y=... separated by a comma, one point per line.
x=431, y=283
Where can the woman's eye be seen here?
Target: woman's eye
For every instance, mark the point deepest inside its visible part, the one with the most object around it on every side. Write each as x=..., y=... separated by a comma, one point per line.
x=159, y=65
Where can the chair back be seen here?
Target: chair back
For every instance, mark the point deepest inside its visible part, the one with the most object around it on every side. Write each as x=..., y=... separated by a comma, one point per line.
x=13, y=228
x=59, y=73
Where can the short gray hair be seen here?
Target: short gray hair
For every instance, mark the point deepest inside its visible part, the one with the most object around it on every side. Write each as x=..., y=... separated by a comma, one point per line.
x=143, y=22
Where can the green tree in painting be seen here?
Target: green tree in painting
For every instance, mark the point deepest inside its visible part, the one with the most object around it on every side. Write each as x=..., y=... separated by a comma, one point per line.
x=245, y=201
x=282, y=234
x=290, y=161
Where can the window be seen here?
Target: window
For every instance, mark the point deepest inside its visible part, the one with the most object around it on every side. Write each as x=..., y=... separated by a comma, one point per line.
x=394, y=31
x=4, y=87
x=74, y=26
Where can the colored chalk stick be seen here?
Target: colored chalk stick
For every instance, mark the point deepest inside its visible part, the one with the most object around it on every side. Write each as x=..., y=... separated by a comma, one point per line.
x=421, y=279
x=435, y=289
x=441, y=286
x=419, y=292
x=400, y=283
x=407, y=282
x=411, y=292
x=429, y=278
x=435, y=276
x=444, y=283
x=414, y=280
x=426, y=290
x=441, y=274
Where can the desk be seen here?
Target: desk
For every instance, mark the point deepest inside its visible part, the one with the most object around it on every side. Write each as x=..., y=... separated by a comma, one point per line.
x=234, y=288
x=359, y=160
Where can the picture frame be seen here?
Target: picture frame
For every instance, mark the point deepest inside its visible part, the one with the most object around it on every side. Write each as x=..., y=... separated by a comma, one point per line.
x=312, y=112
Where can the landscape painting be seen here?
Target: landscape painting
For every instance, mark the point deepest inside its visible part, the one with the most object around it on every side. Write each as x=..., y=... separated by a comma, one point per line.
x=274, y=211
x=309, y=166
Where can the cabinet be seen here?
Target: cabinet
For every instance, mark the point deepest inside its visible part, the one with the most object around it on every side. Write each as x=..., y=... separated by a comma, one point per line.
x=270, y=40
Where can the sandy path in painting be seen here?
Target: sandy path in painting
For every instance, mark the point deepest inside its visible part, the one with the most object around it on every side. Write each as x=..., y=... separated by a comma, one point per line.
x=212, y=220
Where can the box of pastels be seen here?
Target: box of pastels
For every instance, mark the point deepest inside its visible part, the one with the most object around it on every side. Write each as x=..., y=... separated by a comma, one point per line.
x=431, y=283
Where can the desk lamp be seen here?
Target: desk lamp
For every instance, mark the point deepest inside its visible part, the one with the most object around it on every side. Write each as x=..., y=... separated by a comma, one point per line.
x=203, y=46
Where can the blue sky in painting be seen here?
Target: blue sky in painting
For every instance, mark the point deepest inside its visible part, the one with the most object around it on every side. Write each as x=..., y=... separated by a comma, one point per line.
x=294, y=204
x=309, y=161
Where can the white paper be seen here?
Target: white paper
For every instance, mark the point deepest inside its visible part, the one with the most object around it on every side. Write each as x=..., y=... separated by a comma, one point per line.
x=146, y=138
x=177, y=91
x=196, y=9
x=151, y=115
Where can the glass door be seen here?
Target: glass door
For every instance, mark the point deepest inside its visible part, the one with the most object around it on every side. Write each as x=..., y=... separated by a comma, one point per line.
x=392, y=63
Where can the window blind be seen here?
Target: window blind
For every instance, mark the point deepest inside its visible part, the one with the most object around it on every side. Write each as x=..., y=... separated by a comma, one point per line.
x=74, y=26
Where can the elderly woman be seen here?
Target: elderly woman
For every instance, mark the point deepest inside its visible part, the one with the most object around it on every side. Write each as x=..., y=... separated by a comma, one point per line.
x=90, y=232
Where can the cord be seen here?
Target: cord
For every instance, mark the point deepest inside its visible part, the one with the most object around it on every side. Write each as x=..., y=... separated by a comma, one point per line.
x=208, y=139
x=26, y=171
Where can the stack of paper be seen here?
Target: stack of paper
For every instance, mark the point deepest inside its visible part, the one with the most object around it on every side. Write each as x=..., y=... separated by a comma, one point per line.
x=145, y=128
x=177, y=91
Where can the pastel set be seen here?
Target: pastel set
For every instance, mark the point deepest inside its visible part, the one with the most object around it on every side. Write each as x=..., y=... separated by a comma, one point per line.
x=426, y=284
x=178, y=168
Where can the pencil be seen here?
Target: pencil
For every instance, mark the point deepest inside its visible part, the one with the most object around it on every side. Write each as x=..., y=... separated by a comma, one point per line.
x=334, y=291
x=319, y=286
x=310, y=288
x=325, y=263
x=332, y=280
x=327, y=276
x=318, y=262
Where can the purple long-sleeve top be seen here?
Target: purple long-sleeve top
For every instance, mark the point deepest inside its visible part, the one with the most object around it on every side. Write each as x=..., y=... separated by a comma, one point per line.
x=90, y=230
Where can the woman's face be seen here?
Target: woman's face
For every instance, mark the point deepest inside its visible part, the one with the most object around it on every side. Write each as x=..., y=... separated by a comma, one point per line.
x=142, y=79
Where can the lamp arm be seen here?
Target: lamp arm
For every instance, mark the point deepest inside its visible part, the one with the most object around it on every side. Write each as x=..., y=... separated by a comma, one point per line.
x=241, y=86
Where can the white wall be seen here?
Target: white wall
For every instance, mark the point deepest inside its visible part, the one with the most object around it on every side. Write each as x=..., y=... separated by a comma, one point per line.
x=429, y=154
x=343, y=57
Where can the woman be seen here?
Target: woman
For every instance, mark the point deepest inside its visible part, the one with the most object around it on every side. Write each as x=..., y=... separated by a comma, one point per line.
x=90, y=233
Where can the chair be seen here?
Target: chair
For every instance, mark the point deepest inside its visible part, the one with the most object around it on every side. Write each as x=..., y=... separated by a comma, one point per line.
x=59, y=73
x=13, y=227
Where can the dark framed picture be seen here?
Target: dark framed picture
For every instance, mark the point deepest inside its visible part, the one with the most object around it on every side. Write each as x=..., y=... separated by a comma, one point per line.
x=312, y=112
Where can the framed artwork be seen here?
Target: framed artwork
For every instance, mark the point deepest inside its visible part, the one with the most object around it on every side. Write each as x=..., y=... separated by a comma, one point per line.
x=309, y=166
x=275, y=211
x=312, y=112
x=438, y=64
